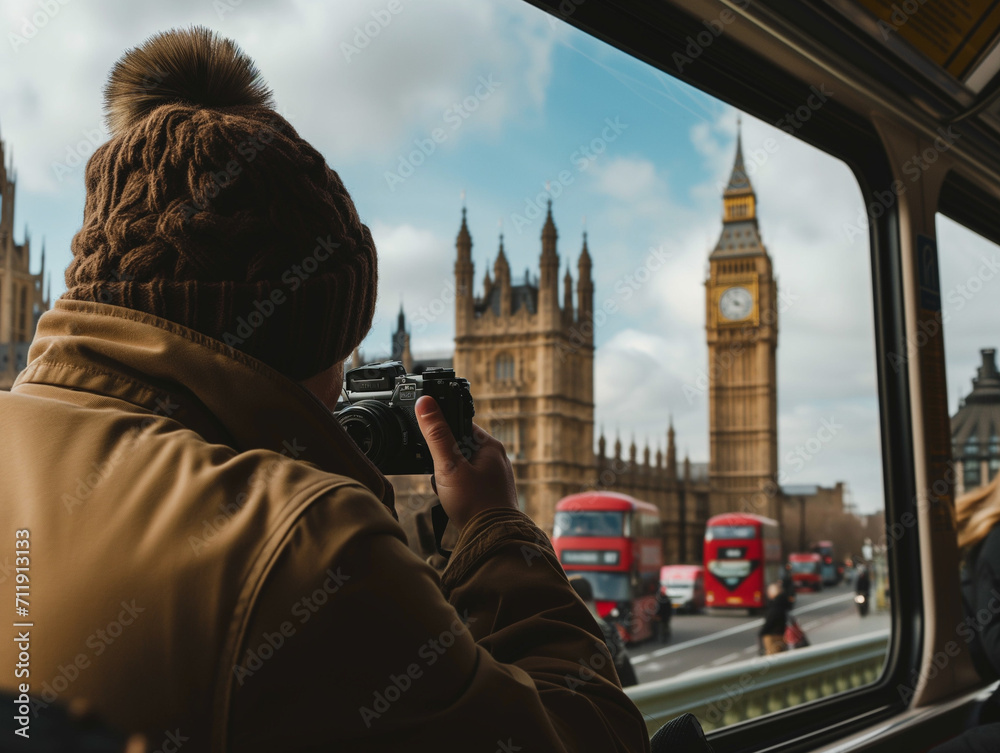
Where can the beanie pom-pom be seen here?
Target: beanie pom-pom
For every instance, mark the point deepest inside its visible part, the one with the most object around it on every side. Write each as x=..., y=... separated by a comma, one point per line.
x=189, y=66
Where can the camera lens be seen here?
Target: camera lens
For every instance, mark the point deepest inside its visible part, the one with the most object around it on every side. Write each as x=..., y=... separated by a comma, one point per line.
x=375, y=429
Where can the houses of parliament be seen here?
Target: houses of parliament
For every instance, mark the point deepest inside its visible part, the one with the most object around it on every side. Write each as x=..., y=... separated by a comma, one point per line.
x=527, y=347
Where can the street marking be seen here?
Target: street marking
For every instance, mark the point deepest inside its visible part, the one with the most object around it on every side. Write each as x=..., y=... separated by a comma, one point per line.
x=687, y=672
x=703, y=639
x=725, y=659
x=810, y=607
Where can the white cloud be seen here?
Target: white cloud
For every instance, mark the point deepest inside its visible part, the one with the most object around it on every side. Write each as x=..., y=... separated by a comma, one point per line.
x=639, y=383
x=425, y=289
x=627, y=179
x=421, y=69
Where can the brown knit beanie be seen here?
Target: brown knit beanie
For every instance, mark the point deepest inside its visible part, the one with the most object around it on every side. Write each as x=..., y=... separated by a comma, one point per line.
x=206, y=208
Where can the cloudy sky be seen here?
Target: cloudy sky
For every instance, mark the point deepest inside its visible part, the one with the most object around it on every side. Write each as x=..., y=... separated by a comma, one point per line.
x=513, y=96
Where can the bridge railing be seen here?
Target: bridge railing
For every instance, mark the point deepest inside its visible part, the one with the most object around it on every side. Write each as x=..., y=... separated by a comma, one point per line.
x=747, y=689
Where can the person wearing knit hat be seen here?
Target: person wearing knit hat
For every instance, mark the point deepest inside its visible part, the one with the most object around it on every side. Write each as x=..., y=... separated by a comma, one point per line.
x=213, y=563
x=206, y=204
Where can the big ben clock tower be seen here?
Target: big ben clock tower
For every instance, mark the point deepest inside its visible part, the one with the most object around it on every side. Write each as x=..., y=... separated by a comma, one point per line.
x=742, y=329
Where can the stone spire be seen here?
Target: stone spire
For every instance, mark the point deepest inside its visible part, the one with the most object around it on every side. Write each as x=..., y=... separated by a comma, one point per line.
x=501, y=274
x=501, y=267
x=740, y=233
x=548, y=286
x=568, y=296
x=739, y=181
x=549, y=235
x=464, y=270
x=585, y=290
x=671, y=451
x=464, y=241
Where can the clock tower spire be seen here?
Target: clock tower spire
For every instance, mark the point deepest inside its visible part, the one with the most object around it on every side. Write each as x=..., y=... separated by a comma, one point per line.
x=742, y=333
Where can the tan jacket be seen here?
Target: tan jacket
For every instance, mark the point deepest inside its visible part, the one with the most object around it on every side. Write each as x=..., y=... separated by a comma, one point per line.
x=214, y=564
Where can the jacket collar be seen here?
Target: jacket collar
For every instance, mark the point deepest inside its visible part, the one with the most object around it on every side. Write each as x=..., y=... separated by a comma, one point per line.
x=223, y=394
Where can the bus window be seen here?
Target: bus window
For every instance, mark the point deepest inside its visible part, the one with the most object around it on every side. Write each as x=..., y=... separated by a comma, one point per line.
x=711, y=238
x=721, y=531
x=588, y=523
x=970, y=287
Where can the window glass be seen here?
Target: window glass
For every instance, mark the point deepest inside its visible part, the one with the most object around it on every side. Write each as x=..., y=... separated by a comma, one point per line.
x=608, y=586
x=969, y=291
x=591, y=243
x=504, y=367
x=678, y=581
x=730, y=532
x=588, y=524
x=971, y=474
x=805, y=567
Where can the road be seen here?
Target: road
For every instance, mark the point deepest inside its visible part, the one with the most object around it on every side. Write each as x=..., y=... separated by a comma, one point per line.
x=700, y=642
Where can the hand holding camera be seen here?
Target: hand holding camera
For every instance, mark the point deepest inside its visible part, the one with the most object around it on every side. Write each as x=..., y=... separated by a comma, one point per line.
x=377, y=408
x=412, y=423
x=466, y=485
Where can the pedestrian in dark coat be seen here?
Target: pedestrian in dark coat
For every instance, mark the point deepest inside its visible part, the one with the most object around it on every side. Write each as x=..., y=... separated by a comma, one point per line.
x=664, y=611
x=772, y=632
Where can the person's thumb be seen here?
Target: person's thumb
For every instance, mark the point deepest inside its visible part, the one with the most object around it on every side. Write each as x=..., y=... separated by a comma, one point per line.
x=440, y=441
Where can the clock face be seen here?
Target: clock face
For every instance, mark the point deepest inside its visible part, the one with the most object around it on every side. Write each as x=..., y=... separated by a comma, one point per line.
x=736, y=304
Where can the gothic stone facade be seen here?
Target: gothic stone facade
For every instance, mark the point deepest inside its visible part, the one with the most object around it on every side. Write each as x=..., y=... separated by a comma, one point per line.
x=530, y=359
x=532, y=363
x=21, y=299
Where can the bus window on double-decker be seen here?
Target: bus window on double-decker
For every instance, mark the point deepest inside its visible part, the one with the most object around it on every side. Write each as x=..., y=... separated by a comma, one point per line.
x=969, y=286
x=729, y=532
x=609, y=586
x=591, y=243
x=588, y=524
x=969, y=280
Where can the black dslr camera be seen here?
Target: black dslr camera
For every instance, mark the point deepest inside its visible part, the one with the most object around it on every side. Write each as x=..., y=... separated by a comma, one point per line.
x=377, y=410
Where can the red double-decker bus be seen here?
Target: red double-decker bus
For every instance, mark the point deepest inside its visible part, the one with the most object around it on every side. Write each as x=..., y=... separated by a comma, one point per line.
x=742, y=555
x=614, y=541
